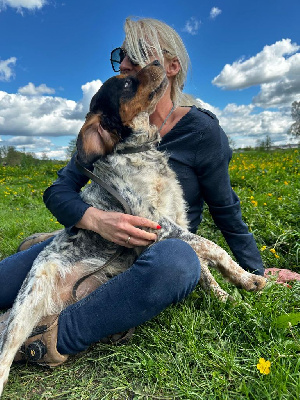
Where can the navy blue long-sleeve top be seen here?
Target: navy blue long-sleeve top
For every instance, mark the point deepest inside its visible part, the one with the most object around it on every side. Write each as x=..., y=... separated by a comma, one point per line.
x=199, y=154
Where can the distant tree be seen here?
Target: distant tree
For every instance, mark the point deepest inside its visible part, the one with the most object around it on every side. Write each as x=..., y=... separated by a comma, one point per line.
x=264, y=144
x=295, y=112
x=248, y=148
x=45, y=157
x=231, y=142
x=13, y=157
x=10, y=156
x=3, y=152
x=70, y=150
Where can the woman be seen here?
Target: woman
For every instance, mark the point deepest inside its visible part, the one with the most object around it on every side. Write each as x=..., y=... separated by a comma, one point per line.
x=168, y=271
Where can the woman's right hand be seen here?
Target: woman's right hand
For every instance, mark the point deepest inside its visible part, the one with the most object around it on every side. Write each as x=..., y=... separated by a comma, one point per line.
x=118, y=227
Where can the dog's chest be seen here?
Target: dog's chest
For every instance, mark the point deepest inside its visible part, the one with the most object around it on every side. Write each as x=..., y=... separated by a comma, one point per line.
x=147, y=184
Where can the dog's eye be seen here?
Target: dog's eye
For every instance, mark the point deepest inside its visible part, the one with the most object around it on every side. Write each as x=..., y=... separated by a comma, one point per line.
x=127, y=84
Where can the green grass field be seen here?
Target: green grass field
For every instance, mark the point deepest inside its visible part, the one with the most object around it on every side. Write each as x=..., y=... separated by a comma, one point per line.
x=199, y=349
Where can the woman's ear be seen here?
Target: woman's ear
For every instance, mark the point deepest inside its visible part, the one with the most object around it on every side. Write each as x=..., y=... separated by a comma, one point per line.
x=172, y=67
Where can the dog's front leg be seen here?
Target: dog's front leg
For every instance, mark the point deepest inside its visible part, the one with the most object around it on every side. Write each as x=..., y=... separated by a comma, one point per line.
x=207, y=281
x=221, y=260
x=210, y=253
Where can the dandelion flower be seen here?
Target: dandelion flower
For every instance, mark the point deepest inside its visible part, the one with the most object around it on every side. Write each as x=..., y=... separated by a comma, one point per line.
x=263, y=366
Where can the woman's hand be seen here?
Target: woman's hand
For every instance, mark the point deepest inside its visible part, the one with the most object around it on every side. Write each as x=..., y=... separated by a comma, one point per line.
x=118, y=228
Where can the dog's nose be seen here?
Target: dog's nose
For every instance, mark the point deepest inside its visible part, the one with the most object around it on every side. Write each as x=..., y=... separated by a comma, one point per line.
x=156, y=62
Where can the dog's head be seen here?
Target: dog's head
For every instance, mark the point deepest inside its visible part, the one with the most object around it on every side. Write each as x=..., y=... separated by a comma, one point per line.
x=114, y=107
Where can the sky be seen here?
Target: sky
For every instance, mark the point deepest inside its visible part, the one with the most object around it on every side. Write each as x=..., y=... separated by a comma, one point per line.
x=54, y=55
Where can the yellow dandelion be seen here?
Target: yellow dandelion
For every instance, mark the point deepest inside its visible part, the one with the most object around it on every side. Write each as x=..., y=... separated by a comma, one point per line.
x=273, y=251
x=263, y=366
x=286, y=183
x=263, y=248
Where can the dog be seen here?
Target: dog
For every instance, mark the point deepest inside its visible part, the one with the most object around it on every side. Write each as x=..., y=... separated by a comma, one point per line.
x=118, y=138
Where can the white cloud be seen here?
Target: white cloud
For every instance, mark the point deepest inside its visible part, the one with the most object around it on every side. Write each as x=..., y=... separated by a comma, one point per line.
x=278, y=94
x=32, y=90
x=28, y=121
x=81, y=108
x=268, y=65
x=20, y=4
x=245, y=124
x=276, y=68
x=192, y=26
x=43, y=115
x=214, y=12
x=35, y=116
x=53, y=154
x=6, y=72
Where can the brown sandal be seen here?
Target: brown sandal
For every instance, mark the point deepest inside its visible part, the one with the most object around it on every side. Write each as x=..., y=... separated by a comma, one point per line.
x=40, y=347
x=34, y=239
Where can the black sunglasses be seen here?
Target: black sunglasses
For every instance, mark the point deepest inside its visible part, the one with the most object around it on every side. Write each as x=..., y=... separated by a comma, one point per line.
x=117, y=56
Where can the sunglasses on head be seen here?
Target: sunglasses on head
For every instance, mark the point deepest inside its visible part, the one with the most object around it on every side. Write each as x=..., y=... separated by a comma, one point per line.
x=117, y=56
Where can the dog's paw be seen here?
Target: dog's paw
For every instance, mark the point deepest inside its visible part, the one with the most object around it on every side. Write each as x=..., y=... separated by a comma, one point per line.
x=253, y=283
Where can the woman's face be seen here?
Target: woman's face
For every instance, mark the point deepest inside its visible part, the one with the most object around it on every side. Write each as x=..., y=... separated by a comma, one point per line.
x=128, y=68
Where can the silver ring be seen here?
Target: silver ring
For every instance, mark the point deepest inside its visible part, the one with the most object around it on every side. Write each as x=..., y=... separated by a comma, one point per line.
x=128, y=240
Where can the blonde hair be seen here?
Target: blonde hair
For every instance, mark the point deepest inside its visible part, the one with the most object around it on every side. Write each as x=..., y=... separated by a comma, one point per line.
x=148, y=37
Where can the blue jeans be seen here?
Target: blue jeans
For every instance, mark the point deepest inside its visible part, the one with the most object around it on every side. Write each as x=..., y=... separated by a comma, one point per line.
x=164, y=274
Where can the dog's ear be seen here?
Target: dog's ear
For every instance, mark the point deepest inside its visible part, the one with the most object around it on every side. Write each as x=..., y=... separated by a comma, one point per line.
x=94, y=141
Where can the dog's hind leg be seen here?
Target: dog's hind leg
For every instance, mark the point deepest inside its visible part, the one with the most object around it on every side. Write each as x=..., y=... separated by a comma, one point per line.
x=33, y=302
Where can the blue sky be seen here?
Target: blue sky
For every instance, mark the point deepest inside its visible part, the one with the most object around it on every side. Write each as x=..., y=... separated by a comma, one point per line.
x=54, y=55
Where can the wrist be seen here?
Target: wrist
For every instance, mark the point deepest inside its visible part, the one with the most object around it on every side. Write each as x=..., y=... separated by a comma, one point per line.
x=89, y=218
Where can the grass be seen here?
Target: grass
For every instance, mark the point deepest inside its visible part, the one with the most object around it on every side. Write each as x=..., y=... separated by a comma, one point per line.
x=199, y=349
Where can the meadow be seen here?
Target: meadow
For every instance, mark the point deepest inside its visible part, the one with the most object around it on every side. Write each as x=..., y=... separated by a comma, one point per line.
x=201, y=348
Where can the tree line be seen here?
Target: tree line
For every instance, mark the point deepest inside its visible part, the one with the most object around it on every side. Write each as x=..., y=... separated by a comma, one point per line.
x=11, y=157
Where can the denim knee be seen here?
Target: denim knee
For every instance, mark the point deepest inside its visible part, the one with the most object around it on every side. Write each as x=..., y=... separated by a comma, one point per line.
x=163, y=275
x=175, y=268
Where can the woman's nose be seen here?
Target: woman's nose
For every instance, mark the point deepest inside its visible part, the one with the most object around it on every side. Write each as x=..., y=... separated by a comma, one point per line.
x=126, y=65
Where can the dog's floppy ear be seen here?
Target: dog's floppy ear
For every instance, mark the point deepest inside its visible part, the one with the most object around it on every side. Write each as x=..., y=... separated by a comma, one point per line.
x=94, y=141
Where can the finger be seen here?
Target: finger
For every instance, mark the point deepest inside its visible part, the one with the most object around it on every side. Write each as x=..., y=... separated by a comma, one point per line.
x=133, y=242
x=140, y=234
x=143, y=222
